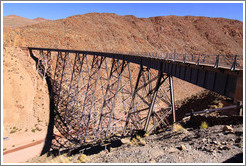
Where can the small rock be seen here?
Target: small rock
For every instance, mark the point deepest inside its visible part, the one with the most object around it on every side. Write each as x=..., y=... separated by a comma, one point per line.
x=210, y=150
x=75, y=158
x=172, y=150
x=223, y=143
x=238, y=145
x=125, y=141
x=226, y=148
x=142, y=142
x=214, y=153
x=215, y=142
x=219, y=134
x=152, y=161
x=228, y=129
x=182, y=147
x=117, y=135
x=238, y=140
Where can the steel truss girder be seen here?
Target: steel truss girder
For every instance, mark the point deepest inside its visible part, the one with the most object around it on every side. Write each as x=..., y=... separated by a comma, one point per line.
x=97, y=97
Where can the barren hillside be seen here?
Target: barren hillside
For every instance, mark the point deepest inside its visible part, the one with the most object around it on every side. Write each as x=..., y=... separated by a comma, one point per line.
x=14, y=21
x=105, y=31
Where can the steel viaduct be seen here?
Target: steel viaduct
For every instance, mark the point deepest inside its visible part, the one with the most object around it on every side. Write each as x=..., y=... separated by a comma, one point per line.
x=98, y=96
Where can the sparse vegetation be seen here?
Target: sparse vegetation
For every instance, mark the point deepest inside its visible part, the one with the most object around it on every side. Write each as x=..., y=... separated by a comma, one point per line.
x=138, y=137
x=137, y=141
x=39, y=121
x=178, y=128
x=38, y=129
x=82, y=158
x=133, y=141
x=146, y=134
x=204, y=125
x=14, y=129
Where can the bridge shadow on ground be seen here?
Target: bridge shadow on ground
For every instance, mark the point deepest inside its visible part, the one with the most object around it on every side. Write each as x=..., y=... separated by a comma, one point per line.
x=238, y=158
x=199, y=102
x=88, y=149
x=49, y=135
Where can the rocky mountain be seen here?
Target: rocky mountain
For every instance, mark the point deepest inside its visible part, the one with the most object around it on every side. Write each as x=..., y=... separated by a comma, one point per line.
x=14, y=21
x=104, y=31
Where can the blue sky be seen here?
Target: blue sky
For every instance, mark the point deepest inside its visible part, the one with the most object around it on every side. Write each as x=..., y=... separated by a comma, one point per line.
x=62, y=10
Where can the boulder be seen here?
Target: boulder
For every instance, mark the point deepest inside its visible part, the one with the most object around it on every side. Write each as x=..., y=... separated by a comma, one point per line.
x=125, y=140
x=142, y=142
x=228, y=129
x=182, y=147
x=172, y=150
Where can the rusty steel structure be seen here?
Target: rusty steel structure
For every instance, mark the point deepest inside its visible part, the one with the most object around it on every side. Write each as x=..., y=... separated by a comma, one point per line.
x=100, y=96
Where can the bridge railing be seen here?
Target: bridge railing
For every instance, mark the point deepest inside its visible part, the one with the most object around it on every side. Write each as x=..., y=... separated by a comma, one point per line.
x=225, y=61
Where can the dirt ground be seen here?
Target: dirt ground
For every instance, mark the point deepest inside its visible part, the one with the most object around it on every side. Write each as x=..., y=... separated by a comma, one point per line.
x=211, y=145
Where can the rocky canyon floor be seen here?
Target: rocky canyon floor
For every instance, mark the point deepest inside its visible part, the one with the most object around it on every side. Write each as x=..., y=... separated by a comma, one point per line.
x=215, y=144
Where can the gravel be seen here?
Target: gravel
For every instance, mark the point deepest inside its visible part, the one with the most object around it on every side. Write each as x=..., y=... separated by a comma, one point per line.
x=211, y=145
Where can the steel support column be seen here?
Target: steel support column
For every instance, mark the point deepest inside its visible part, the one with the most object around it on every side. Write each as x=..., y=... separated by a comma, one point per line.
x=172, y=98
x=158, y=84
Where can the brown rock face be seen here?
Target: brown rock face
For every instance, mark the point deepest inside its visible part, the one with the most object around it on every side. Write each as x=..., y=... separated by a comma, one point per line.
x=105, y=31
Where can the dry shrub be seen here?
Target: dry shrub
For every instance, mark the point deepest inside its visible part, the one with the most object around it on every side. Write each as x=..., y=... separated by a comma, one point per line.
x=204, y=125
x=82, y=158
x=178, y=128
